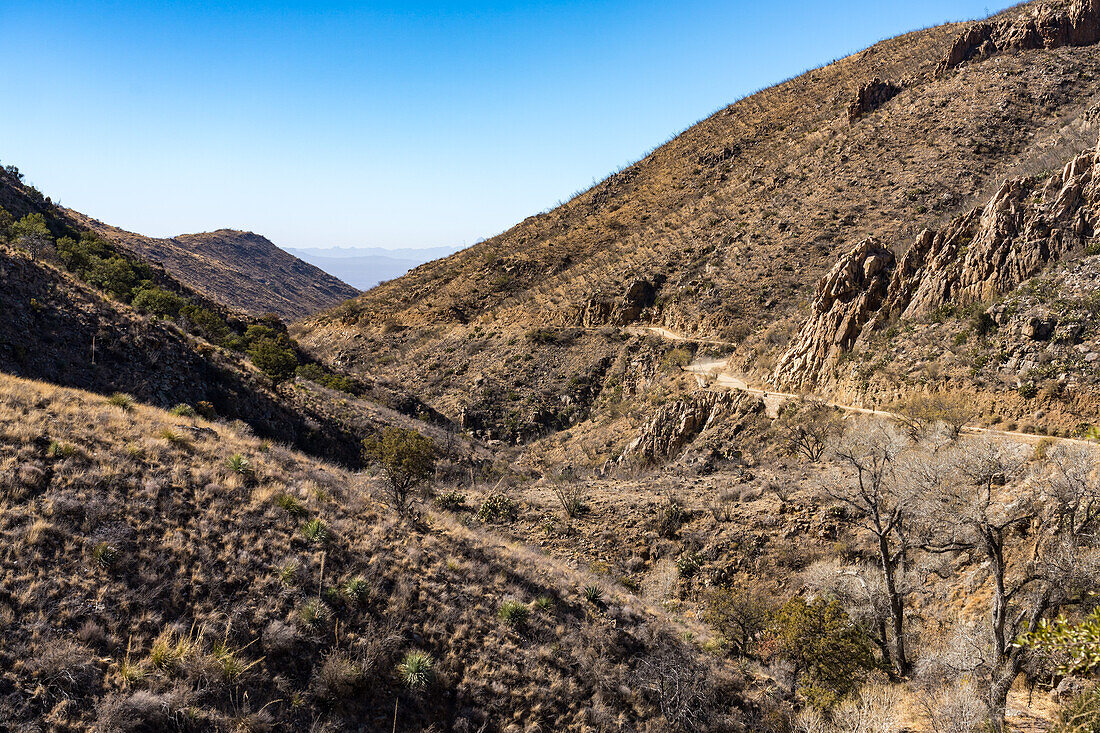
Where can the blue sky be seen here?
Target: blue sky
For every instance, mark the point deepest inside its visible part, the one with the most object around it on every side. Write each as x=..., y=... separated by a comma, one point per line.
x=391, y=124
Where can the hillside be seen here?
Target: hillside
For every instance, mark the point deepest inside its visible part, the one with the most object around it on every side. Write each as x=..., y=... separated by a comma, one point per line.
x=81, y=311
x=149, y=582
x=242, y=270
x=722, y=233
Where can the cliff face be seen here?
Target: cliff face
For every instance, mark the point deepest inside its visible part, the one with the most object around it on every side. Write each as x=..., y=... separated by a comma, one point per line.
x=1028, y=224
x=242, y=270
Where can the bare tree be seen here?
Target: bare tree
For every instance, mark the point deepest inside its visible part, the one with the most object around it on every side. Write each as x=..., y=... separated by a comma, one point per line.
x=862, y=592
x=810, y=428
x=1029, y=530
x=921, y=414
x=880, y=505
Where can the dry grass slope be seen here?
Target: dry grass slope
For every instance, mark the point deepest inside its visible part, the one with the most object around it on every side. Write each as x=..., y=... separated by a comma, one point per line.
x=166, y=573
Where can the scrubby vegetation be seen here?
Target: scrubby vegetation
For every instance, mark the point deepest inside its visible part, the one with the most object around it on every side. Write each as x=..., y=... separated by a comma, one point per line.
x=149, y=584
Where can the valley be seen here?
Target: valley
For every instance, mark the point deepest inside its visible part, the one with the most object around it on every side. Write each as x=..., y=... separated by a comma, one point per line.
x=792, y=426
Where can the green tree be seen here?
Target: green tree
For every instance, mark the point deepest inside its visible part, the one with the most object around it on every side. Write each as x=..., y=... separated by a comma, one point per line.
x=1074, y=647
x=158, y=302
x=740, y=613
x=831, y=656
x=407, y=459
x=32, y=234
x=274, y=358
x=114, y=275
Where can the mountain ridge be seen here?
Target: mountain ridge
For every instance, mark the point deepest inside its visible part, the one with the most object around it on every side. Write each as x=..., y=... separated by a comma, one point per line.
x=243, y=270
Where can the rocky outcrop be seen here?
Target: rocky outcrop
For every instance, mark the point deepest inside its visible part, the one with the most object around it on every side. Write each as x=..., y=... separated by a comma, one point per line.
x=990, y=251
x=870, y=97
x=603, y=311
x=1024, y=227
x=677, y=424
x=1050, y=25
x=845, y=300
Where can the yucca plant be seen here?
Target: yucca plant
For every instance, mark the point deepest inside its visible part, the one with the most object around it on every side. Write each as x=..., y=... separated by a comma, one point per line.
x=544, y=604
x=104, y=554
x=183, y=410
x=123, y=401
x=415, y=669
x=288, y=573
x=355, y=588
x=315, y=531
x=514, y=613
x=172, y=436
x=593, y=594
x=313, y=613
x=290, y=505
x=239, y=464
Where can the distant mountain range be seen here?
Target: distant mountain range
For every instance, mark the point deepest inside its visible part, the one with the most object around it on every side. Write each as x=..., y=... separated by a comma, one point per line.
x=365, y=267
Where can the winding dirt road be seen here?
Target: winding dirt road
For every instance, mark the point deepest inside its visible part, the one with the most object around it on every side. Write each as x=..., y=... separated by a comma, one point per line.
x=716, y=372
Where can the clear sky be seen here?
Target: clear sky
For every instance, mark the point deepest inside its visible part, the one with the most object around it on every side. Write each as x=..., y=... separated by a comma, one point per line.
x=395, y=124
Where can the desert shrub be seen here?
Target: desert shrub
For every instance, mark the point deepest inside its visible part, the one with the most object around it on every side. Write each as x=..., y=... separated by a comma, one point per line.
x=1028, y=390
x=688, y=564
x=318, y=374
x=158, y=302
x=58, y=449
x=831, y=656
x=206, y=323
x=543, y=336
x=182, y=410
x=451, y=501
x=1074, y=647
x=921, y=412
x=415, y=669
x=407, y=459
x=31, y=233
x=63, y=667
x=809, y=428
x=983, y=323
x=670, y=517
x=497, y=509
x=573, y=498
x=676, y=359
x=740, y=613
x=1081, y=715
x=337, y=677
x=273, y=357
x=514, y=613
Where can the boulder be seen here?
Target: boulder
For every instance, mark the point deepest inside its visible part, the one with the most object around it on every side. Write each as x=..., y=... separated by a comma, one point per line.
x=870, y=97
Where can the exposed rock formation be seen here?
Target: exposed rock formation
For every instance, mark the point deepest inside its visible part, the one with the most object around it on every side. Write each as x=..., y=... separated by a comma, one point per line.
x=870, y=97
x=1076, y=23
x=602, y=311
x=845, y=300
x=1025, y=226
x=676, y=424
